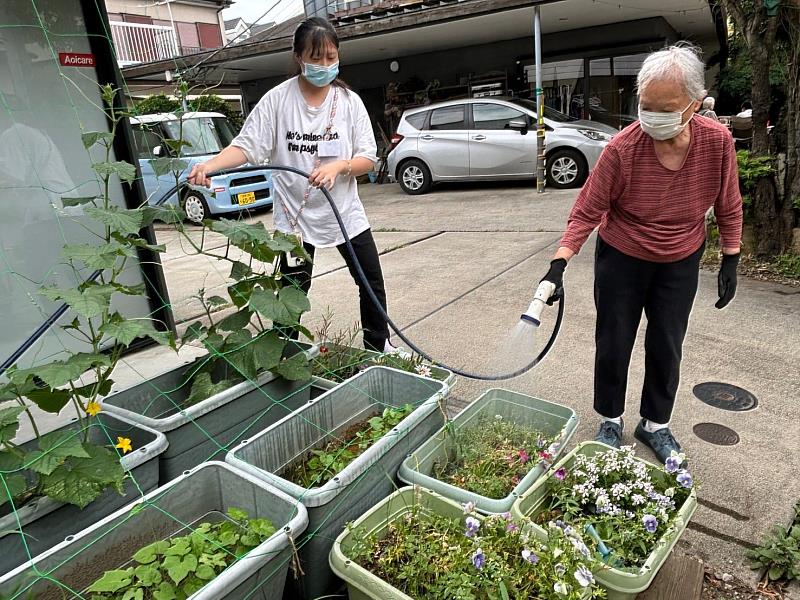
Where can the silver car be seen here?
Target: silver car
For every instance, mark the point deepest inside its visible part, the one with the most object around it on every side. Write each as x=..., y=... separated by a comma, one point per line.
x=491, y=138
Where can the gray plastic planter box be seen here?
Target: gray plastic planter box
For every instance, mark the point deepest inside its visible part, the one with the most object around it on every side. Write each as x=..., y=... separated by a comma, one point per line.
x=548, y=418
x=203, y=494
x=207, y=429
x=365, y=481
x=46, y=522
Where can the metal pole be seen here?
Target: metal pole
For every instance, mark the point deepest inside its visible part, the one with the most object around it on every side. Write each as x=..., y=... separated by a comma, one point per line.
x=540, y=145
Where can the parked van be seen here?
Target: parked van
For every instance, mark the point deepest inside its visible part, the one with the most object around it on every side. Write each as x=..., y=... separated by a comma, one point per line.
x=206, y=134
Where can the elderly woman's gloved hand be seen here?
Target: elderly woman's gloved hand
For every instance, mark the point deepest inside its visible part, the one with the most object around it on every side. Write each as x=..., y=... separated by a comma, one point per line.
x=726, y=280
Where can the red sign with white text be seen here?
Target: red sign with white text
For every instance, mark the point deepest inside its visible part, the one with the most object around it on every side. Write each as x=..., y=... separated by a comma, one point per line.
x=75, y=59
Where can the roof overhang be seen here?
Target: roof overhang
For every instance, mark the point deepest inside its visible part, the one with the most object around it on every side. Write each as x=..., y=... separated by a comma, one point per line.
x=436, y=28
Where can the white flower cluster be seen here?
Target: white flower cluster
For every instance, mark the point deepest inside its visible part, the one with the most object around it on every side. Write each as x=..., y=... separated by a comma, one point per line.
x=617, y=483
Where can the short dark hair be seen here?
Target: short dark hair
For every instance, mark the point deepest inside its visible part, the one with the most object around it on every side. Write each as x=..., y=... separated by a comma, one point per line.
x=315, y=34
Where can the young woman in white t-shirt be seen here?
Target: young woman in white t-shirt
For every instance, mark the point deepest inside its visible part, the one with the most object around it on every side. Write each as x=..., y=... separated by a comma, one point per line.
x=315, y=123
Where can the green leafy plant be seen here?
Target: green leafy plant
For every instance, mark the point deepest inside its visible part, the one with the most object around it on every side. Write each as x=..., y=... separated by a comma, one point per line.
x=253, y=339
x=321, y=465
x=429, y=556
x=67, y=465
x=788, y=265
x=779, y=552
x=751, y=169
x=490, y=457
x=176, y=568
x=629, y=505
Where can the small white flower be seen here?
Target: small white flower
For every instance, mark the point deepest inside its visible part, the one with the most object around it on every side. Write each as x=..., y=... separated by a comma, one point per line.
x=561, y=588
x=423, y=370
x=469, y=508
x=499, y=417
x=669, y=493
x=557, y=552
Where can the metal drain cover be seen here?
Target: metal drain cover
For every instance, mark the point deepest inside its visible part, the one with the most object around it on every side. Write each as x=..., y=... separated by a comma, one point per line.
x=725, y=396
x=717, y=434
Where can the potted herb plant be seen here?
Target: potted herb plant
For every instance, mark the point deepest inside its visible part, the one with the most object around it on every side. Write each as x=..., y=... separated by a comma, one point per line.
x=212, y=533
x=633, y=511
x=55, y=483
x=339, y=454
x=492, y=451
x=418, y=545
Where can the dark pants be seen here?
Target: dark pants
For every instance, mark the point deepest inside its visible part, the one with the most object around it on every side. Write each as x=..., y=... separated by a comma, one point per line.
x=376, y=331
x=624, y=287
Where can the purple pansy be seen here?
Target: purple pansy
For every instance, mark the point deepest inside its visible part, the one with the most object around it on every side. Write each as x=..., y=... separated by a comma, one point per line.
x=478, y=559
x=685, y=478
x=561, y=474
x=672, y=464
x=530, y=556
x=650, y=523
x=472, y=526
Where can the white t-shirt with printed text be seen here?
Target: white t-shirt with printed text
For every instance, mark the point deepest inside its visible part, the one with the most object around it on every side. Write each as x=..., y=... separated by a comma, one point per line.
x=284, y=130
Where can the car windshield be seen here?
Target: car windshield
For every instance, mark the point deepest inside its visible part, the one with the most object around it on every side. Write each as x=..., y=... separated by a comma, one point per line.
x=205, y=135
x=549, y=113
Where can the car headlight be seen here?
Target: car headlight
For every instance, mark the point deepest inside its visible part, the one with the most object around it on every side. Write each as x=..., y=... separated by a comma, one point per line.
x=594, y=134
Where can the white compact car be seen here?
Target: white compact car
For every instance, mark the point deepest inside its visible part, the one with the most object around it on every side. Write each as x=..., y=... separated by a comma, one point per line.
x=491, y=139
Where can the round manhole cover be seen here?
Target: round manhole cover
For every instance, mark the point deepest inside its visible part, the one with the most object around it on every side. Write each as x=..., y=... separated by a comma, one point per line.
x=725, y=396
x=717, y=434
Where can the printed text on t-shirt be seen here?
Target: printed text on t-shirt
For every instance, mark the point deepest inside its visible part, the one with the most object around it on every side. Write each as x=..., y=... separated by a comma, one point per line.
x=298, y=142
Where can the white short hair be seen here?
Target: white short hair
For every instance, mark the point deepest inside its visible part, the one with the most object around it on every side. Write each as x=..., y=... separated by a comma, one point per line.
x=709, y=103
x=680, y=63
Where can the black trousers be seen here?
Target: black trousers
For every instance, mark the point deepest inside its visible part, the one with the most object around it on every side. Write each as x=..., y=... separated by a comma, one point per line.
x=376, y=330
x=624, y=287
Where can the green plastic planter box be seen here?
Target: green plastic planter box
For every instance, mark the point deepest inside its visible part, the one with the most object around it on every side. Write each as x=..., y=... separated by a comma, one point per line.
x=547, y=417
x=365, y=481
x=621, y=584
x=361, y=583
x=206, y=430
x=204, y=494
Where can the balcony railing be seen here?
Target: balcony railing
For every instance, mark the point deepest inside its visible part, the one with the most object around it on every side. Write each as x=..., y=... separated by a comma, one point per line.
x=138, y=43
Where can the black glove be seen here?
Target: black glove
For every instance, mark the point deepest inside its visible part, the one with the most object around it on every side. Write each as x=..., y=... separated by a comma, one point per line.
x=726, y=280
x=556, y=276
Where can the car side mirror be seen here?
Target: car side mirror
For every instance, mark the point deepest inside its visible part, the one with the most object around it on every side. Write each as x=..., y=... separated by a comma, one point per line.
x=157, y=151
x=520, y=126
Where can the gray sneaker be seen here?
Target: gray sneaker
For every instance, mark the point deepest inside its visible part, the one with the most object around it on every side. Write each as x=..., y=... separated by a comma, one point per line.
x=610, y=433
x=661, y=441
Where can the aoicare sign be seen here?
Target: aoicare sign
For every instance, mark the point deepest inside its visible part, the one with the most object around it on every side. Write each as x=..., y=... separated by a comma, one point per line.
x=75, y=59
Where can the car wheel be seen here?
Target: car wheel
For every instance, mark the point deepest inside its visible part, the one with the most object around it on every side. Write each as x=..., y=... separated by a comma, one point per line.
x=195, y=207
x=566, y=168
x=414, y=177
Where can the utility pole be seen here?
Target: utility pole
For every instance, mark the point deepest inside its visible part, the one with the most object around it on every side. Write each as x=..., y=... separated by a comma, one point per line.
x=540, y=145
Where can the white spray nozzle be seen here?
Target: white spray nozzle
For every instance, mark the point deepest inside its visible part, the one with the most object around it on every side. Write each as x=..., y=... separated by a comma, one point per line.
x=540, y=298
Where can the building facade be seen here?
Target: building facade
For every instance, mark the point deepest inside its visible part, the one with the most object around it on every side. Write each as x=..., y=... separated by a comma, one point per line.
x=152, y=30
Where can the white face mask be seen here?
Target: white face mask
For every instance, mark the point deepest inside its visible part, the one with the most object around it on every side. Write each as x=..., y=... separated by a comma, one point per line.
x=663, y=125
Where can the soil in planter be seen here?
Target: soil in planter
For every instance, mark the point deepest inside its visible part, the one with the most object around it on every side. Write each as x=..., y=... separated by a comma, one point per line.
x=491, y=457
x=319, y=466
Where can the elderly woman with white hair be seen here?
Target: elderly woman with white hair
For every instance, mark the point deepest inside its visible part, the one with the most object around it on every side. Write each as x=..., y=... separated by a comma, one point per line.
x=707, y=109
x=649, y=194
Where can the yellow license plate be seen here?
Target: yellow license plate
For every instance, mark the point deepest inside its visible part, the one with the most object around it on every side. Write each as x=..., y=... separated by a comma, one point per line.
x=247, y=198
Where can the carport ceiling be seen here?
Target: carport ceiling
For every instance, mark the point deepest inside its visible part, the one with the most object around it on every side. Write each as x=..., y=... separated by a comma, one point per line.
x=690, y=18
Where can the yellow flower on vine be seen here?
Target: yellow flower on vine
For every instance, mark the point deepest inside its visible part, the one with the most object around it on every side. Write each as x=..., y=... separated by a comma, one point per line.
x=124, y=444
x=93, y=408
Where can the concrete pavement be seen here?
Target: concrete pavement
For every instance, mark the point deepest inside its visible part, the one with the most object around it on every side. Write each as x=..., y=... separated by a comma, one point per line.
x=461, y=264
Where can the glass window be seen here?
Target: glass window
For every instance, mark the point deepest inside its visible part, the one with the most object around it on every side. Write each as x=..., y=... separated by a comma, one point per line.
x=145, y=139
x=450, y=117
x=495, y=116
x=205, y=135
x=417, y=120
x=613, y=99
x=562, y=84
